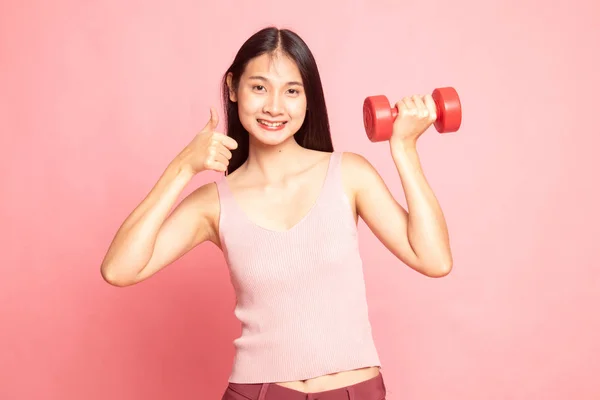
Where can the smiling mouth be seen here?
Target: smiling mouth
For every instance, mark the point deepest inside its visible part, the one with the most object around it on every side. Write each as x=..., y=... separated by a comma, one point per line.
x=270, y=123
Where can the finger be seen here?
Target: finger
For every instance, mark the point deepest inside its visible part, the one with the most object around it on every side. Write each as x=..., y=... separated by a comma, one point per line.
x=227, y=141
x=216, y=166
x=431, y=106
x=410, y=104
x=411, y=107
x=219, y=162
x=213, y=122
x=215, y=161
x=420, y=105
x=224, y=151
x=402, y=108
x=220, y=167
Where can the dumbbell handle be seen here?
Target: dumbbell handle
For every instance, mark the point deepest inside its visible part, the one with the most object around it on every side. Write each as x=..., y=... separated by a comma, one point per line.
x=438, y=112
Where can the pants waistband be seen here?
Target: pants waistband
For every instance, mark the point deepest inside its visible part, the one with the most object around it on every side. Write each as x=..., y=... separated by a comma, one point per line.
x=371, y=389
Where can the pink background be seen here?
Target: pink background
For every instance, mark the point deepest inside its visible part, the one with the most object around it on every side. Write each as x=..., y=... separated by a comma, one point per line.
x=96, y=97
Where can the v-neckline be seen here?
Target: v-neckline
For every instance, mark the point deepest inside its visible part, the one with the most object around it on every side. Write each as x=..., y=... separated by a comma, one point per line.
x=301, y=220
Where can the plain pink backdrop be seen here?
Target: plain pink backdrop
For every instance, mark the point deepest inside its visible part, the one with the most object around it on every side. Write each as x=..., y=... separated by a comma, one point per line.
x=96, y=97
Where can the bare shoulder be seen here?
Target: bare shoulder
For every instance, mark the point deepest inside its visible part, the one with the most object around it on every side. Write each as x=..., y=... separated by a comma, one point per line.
x=354, y=160
x=357, y=171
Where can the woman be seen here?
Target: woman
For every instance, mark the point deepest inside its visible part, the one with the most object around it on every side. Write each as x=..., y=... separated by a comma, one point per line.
x=285, y=216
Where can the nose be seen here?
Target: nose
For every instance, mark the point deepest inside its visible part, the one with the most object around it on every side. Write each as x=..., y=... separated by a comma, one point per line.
x=273, y=105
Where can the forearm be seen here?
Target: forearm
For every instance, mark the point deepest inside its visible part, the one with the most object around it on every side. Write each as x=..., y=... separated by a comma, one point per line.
x=133, y=244
x=427, y=229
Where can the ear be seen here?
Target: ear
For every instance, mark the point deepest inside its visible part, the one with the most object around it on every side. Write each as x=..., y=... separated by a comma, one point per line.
x=232, y=94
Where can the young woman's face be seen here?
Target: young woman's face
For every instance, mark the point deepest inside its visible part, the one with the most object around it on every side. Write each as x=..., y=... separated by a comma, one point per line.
x=271, y=98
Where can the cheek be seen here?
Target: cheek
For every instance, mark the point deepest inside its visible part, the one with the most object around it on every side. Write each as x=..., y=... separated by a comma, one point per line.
x=249, y=105
x=297, y=108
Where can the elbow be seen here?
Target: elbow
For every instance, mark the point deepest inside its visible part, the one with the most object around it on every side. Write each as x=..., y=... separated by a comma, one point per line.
x=439, y=265
x=440, y=270
x=111, y=277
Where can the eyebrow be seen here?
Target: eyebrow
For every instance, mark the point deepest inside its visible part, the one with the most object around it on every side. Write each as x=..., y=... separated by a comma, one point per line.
x=262, y=78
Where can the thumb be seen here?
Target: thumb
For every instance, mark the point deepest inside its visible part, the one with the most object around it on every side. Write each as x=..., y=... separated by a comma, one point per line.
x=213, y=122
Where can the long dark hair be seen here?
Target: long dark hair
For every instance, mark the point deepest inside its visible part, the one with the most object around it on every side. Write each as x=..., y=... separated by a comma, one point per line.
x=314, y=133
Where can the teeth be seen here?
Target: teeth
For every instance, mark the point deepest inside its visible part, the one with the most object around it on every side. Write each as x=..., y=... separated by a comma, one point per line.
x=271, y=124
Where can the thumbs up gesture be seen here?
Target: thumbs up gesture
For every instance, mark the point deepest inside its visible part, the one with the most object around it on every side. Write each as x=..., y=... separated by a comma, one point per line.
x=209, y=150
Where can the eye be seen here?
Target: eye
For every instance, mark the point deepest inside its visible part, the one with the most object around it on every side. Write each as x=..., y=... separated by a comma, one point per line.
x=258, y=87
x=294, y=91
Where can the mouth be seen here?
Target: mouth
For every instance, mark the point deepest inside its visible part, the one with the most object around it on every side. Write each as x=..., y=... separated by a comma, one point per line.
x=271, y=125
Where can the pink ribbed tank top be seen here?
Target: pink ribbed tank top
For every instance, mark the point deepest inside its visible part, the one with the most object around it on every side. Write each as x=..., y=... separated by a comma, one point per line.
x=300, y=293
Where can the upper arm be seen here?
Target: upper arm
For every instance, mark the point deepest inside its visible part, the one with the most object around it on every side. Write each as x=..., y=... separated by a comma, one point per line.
x=192, y=222
x=376, y=205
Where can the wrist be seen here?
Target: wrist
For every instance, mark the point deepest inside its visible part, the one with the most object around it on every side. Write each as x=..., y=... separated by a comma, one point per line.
x=403, y=147
x=181, y=168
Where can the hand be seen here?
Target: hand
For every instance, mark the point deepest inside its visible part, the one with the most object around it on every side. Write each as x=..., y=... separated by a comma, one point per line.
x=415, y=115
x=209, y=150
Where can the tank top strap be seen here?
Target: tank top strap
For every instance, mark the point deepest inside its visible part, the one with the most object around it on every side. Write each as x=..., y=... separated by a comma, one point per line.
x=334, y=199
x=335, y=165
x=333, y=179
x=223, y=189
x=226, y=202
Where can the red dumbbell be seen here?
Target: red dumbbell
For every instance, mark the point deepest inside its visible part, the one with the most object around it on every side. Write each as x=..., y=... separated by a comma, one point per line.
x=379, y=117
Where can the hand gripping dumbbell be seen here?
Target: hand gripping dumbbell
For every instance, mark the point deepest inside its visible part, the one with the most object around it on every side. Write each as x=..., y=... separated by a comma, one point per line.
x=379, y=117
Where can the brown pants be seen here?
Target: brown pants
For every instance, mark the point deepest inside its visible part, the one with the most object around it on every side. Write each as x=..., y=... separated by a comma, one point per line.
x=371, y=389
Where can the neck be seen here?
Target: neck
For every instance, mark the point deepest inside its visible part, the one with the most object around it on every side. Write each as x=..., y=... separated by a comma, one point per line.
x=273, y=163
